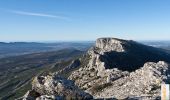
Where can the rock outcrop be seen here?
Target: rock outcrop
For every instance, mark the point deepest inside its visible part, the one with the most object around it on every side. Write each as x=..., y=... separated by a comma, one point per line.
x=143, y=83
x=110, y=44
x=54, y=87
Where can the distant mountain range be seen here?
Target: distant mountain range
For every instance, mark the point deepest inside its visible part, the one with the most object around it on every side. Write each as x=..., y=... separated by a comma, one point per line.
x=20, y=48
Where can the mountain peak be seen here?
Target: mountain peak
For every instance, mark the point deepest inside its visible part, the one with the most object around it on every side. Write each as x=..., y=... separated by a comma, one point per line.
x=114, y=67
x=110, y=44
x=123, y=65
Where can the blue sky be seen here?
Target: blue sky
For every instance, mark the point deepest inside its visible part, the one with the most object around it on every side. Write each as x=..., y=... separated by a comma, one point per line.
x=82, y=20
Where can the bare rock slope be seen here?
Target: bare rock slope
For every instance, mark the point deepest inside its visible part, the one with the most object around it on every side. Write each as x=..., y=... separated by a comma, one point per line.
x=113, y=69
x=54, y=87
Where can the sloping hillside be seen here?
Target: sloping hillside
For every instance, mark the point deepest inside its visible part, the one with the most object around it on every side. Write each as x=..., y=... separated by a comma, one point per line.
x=17, y=72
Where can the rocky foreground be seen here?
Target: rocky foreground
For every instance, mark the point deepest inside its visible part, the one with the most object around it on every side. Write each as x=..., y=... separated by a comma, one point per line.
x=113, y=69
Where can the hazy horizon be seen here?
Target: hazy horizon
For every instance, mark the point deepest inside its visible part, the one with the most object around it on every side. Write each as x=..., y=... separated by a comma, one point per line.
x=76, y=41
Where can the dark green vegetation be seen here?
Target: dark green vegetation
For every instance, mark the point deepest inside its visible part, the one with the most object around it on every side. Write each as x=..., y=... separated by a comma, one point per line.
x=134, y=57
x=16, y=73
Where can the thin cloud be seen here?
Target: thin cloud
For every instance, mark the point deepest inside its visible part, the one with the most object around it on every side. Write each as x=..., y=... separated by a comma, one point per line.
x=39, y=15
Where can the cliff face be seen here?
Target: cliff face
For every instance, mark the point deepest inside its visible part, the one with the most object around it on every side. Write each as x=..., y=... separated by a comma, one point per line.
x=110, y=44
x=124, y=54
x=112, y=68
x=116, y=64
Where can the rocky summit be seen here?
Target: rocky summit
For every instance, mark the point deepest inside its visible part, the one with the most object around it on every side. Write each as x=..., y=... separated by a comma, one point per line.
x=54, y=87
x=111, y=69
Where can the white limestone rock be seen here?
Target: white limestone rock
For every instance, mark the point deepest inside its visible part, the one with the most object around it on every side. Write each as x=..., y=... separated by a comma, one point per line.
x=110, y=44
x=143, y=83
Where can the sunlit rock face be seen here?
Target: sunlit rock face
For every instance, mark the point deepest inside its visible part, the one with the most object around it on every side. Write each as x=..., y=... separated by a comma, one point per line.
x=114, y=64
x=110, y=44
x=54, y=87
x=144, y=83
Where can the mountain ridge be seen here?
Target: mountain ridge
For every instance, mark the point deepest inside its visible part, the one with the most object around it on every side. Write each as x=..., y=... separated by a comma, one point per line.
x=115, y=64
